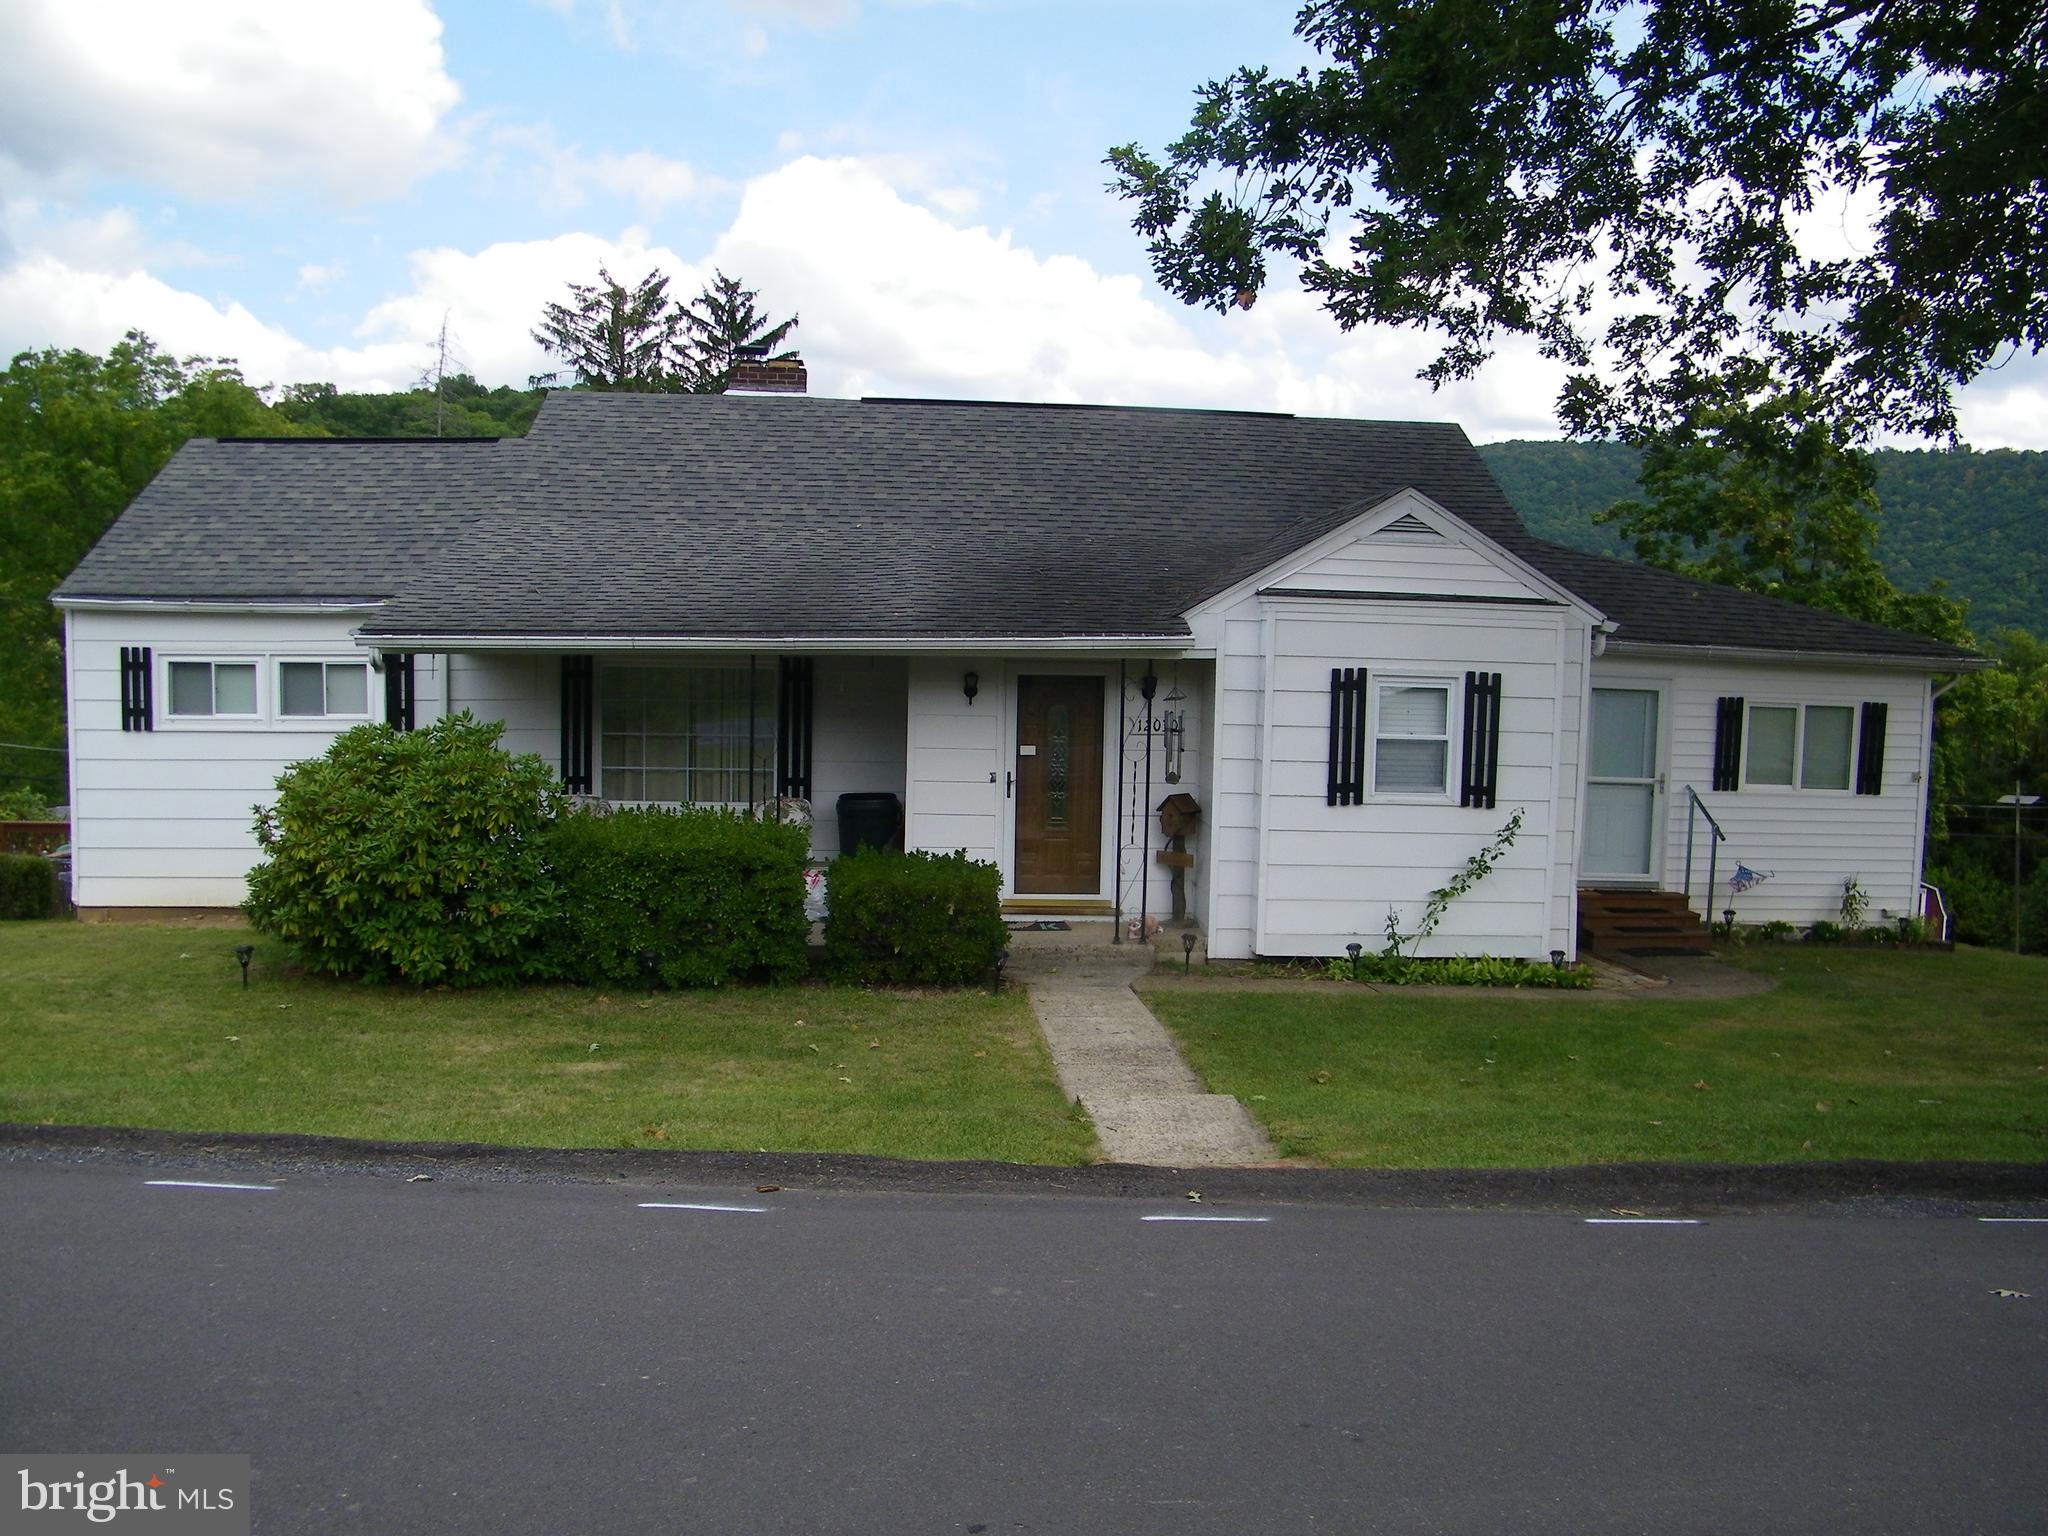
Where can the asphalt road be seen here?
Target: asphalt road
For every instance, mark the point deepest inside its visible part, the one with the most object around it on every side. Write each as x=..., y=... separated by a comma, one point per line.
x=554, y=1358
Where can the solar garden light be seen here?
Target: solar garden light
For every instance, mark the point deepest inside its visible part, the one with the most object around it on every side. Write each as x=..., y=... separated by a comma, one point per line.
x=995, y=975
x=1557, y=959
x=648, y=960
x=1905, y=926
x=244, y=953
x=1187, y=950
x=1728, y=913
x=1354, y=949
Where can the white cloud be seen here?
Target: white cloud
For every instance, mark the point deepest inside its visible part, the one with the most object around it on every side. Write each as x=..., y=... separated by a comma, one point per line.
x=567, y=177
x=218, y=99
x=896, y=298
x=314, y=276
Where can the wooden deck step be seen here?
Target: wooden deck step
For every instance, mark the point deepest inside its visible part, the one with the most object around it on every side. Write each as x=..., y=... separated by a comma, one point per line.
x=1631, y=922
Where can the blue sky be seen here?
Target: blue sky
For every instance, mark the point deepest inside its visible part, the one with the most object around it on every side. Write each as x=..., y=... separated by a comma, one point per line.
x=311, y=188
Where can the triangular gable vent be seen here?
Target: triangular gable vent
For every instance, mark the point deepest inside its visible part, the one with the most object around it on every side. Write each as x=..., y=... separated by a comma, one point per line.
x=1406, y=529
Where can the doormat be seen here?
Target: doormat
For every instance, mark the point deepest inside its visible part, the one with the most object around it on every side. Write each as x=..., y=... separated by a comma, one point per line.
x=1053, y=926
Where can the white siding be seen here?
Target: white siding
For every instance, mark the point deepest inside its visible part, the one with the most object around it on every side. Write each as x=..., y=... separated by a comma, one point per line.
x=1388, y=563
x=954, y=758
x=162, y=818
x=859, y=709
x=1808, y=841
x=522, y=690
x=1331, y=873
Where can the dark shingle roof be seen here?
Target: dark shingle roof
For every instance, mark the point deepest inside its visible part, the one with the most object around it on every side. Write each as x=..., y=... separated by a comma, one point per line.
x=744, y=516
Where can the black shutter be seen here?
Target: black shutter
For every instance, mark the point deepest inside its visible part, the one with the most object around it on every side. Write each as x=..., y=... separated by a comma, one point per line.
x=577, y=675
x=1870, y=750
x=793, y=729
x=1727, y=743
x=138, y=687
x=1347, y=736
x=399, y=685
x=1479, y=784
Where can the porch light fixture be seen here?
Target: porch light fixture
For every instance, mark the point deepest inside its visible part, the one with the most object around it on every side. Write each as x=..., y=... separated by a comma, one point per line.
x=971, y=685
x=1557, y=959
x=244, y=953
x=1187, y=950
x=1148, y=686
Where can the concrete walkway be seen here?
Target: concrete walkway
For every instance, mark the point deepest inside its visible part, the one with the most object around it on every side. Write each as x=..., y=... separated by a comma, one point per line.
x=1118, y=1060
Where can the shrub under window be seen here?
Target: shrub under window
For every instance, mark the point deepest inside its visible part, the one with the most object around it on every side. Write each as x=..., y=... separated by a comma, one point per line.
x=705, y=896
x=914, y=917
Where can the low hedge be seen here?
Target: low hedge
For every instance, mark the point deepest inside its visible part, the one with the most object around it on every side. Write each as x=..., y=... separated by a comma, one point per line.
x=28, y=886
x=712, y=896
x=913, y=917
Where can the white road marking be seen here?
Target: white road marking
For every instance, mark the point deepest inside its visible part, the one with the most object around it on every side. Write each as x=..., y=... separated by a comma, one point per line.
x=1642, y=1221
x=201, y=1184
x=685, y=1205
x=2014, y=1221
x=1206, y=1218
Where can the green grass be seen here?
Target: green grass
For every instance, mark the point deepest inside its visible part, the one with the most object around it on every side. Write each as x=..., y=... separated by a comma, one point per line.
x=149, y=1026
x=1855, y=1054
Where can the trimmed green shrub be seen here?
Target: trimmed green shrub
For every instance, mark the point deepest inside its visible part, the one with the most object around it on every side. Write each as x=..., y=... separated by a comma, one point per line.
x=28, y=886
x=1459, y=971
x=710, y=895
x=414, y=854
x=913, y=917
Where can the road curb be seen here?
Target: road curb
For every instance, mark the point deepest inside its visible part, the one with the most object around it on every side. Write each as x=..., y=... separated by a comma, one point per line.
x=1660, y=1188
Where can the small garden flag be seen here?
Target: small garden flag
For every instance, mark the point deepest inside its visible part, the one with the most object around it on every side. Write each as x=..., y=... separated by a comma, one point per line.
x=1745, y=879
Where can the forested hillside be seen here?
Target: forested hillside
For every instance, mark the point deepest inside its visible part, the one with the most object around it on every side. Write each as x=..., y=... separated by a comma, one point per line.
x=1978, y=521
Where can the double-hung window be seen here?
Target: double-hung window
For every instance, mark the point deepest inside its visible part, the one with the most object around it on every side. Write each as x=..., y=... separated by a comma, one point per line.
x=1809, y=746
x=213, y=689
x=323, y=689
x=1411, y=749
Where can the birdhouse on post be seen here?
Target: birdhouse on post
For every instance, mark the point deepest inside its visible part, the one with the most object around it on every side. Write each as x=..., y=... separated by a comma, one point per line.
x=1178, y=814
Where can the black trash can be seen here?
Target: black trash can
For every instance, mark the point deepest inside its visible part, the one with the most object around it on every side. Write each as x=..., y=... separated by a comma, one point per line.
x=868, y=821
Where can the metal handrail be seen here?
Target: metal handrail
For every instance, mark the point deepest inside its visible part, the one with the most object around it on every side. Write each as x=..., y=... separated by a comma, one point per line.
x=1696, y=809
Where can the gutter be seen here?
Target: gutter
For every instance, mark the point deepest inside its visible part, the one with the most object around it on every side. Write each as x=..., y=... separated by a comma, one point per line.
x=213, y=605
x=1617, y=646
x=883, y=644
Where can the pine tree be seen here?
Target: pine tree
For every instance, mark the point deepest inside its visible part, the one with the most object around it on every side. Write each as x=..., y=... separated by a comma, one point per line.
x=614, y=338
x=720, y=326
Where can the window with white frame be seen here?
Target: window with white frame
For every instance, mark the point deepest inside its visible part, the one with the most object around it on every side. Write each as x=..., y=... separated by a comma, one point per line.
x=1411, y=748
x=323, y=689
x=702, y=734
x=213, y=689
x=1807, y=746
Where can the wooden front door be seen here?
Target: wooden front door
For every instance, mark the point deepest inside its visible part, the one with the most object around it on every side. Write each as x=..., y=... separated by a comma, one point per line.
x=1059, y=786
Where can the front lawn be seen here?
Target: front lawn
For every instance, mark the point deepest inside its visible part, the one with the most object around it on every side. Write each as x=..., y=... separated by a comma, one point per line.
x=1856, y=1054
x=117, y=1024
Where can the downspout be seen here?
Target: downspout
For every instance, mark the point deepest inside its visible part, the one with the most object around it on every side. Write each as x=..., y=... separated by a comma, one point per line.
x=1123, y=734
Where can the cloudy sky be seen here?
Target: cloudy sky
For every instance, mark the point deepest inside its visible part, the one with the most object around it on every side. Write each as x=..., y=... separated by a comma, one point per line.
x=311, y=188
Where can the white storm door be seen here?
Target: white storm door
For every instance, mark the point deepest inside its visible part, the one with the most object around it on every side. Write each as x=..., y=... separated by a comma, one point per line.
x=1623, y=786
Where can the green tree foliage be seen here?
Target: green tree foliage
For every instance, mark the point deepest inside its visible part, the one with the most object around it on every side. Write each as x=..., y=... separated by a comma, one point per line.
x=410, y=854
x=1991, y=734
x=609, y=336
x=1626, y=183
x=1773, y=498
x=80, y=435
x=1976, y=520
x=465, y=409
x=723, y=323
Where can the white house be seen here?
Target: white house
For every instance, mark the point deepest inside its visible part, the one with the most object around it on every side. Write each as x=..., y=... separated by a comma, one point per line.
x=1030, y=624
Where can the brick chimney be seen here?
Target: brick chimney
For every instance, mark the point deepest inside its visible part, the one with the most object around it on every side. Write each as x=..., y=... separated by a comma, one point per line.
x=753, y=373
